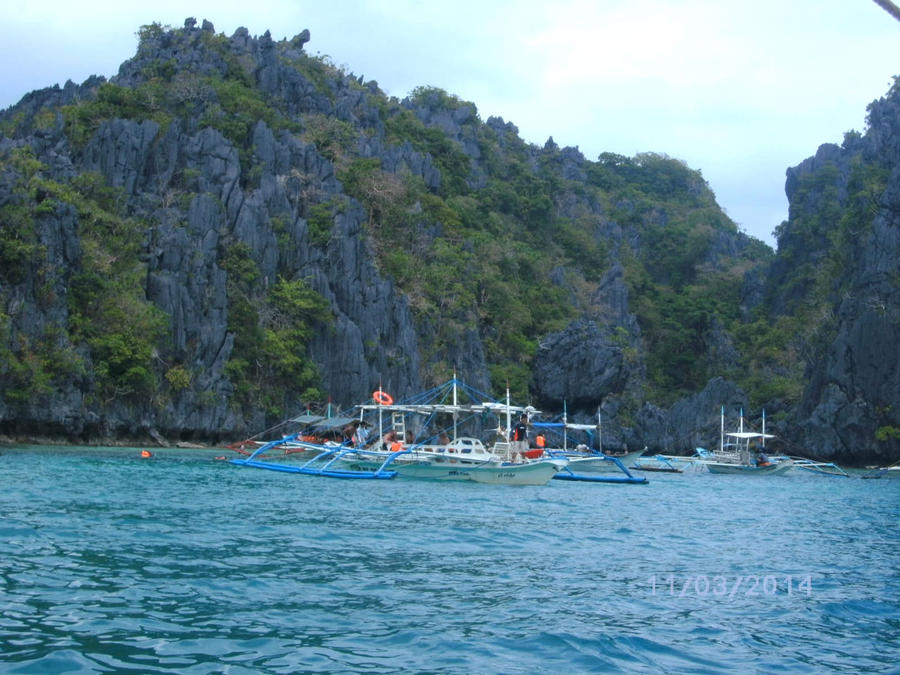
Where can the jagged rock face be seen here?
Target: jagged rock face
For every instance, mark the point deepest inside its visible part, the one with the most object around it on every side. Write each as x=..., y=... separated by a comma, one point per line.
x=194, y=190
x=594, y=357
x=697, y=420
x=578, y=365
x=694, y=421
x=853, y=388
x=373, y=340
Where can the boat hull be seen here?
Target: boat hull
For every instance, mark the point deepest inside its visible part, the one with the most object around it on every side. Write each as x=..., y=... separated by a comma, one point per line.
x=744, y=469
x=657, y=468
x=591, y=462
x=530, y=473
x=663, y=463
x=629, y=458
x=535, y=473
x=884, y=472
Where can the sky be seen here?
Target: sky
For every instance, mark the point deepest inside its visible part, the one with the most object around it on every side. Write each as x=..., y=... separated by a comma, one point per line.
x=740, y=91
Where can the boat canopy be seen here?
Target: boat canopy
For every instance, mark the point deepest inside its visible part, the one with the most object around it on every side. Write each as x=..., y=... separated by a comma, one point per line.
x=431, y=408
x=748, y=435
x=582, y=427
x=307, y=419
x=330, y=423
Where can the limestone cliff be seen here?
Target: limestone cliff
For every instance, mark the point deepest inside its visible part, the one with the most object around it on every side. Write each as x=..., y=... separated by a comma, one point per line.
x=845, y=223
x=230, y=230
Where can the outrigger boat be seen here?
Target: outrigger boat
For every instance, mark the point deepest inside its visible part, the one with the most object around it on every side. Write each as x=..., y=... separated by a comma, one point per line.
x=743, y=460
x=412, y=455
x=322, y=464
x=739, y=452
x=442, y=459
x=316, y=428
x=463, y=458
x=584, y=463
x=663, y=463
x=745, y=454
x=892, y=471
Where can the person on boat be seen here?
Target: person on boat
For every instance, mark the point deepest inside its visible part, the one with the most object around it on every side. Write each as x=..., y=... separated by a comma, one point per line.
x=443, y=439
x=361, y=434
x=388, y=439
x=349, y=432
x=762, y=459
x=540, y=442
x=520, y=439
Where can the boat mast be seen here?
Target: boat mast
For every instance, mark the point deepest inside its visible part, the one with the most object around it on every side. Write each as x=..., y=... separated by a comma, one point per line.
x=455, y=399
x=764, y=428
x=722, y=432
x=508, y=414
x=380, y=420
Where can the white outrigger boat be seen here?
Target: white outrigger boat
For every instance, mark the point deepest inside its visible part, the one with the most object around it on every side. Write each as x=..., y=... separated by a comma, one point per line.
x=740, y=455
x=464, y=458
x=583, y=459
x=744, y=459
x=745, y=454
x=589, y=465
x=664, y=463
x=456, y=458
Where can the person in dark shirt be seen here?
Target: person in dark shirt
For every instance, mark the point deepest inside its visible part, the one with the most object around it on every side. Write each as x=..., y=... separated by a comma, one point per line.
x=520, y=439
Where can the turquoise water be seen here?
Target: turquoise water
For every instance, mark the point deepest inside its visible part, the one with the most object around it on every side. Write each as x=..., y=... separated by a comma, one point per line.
x=179, y=563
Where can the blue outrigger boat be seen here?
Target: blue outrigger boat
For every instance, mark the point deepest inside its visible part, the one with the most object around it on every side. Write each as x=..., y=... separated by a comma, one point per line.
x=320, y=465
x=627, y=478
x=586, y=460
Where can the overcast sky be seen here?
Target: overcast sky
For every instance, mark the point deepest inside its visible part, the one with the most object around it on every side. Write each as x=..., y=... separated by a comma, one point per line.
x=738, y=90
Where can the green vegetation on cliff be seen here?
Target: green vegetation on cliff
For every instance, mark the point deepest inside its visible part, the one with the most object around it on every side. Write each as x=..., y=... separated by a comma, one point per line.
x=107, y=309
x=492, y=236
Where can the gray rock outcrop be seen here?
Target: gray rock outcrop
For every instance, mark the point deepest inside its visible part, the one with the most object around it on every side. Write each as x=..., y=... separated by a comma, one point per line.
x=242, y=144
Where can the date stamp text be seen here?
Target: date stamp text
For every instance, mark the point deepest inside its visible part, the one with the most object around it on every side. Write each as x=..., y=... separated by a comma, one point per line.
x=730, y=587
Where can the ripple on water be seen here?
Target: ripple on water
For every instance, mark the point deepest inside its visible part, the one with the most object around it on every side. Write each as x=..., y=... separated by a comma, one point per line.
x=190, y=565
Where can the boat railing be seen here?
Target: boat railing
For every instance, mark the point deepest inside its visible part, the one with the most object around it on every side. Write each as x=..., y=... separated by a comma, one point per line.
x=502, y=449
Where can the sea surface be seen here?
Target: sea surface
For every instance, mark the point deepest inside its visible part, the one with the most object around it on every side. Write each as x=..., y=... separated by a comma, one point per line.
x=110, y=563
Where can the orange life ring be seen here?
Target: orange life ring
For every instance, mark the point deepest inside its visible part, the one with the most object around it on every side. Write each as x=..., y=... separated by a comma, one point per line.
x=382, y=397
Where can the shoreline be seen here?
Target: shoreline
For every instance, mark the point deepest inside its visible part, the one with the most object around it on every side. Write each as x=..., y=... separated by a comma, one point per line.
x=9, y=441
